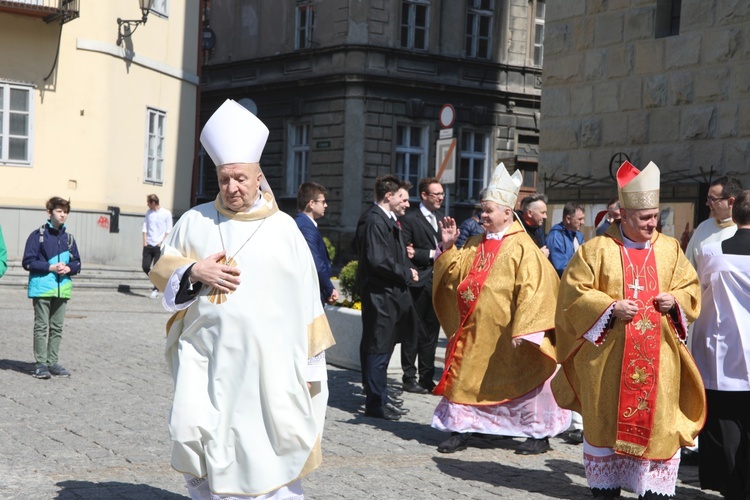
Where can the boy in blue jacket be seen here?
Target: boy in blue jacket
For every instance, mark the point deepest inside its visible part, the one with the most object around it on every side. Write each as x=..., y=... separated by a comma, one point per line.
x=51, y=257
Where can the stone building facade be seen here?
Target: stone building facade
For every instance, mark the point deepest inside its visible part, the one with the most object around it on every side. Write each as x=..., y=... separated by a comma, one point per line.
x=666, y=81
x=352, y=90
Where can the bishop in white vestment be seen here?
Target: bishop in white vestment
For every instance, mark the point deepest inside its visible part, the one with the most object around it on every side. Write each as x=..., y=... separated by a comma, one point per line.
x=246, y=344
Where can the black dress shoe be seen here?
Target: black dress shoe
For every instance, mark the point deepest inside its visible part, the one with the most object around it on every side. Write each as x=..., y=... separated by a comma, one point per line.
x=456, y=442
x=396, y=410
x=689, y=457
x=607, y=493
x=398, y=403
x=430, y=386
x=533, y=447
x=382, y=413
x=414, y=387
x=573, y=437
x=394, y=391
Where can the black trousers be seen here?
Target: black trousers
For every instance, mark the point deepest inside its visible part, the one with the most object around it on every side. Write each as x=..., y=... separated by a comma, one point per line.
x=375, y=376
x=151, y=254
x=724, y=451
x=420, y=347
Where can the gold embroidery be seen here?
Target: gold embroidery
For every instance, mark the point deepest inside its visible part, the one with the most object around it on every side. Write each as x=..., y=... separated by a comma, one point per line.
x=643, y=325
x=468, y=295
x=642, y=405
x=639, y=376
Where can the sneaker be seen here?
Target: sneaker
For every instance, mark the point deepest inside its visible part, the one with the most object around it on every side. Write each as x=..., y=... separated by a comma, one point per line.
x=58, y=371
x=154, y=293
x=41, y=371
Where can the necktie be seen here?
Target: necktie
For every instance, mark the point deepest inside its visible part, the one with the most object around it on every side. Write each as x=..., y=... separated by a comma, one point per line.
x=433, y=221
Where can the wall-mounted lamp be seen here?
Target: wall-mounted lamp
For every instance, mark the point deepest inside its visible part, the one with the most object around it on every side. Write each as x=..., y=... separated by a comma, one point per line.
x=126, y=27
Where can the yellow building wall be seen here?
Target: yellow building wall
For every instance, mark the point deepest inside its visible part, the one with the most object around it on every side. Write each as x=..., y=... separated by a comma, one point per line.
x=90, y=116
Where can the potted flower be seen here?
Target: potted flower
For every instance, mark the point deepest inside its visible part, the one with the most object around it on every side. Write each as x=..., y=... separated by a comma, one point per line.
x=345, y=319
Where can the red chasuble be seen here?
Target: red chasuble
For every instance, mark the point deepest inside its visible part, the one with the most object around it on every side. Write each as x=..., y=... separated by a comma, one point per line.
x=640, y=361
x=468, y=295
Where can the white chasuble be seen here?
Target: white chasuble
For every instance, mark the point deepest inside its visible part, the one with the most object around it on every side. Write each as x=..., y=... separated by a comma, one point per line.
x=242, y=414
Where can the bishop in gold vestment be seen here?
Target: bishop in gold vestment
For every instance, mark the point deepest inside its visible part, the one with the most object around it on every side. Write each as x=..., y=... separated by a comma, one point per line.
x=606, y=359
x=494, y=298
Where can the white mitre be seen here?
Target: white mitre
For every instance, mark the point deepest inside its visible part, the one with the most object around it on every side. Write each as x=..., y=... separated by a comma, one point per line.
x=503, y=188
x=234, y=135
x=638, y=189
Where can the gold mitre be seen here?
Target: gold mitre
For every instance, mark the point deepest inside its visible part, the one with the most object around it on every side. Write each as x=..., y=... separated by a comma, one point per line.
x=234, y=135
x=638, y=189
x=503, y=188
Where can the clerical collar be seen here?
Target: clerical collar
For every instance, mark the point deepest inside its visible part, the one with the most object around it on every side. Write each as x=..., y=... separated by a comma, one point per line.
x=425, y=211
x=497, y=236
x=633, y=244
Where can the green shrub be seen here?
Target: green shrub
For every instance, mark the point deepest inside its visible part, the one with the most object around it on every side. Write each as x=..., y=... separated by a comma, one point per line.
x=329, y=248
x=347, y=280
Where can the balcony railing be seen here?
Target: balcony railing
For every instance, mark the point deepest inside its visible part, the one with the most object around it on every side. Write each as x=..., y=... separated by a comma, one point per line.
x=48, y=10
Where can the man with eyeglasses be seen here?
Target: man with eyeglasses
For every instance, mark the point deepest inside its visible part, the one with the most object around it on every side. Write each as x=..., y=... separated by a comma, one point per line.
x=421, y=232
x=719, y=226
x=311, y=203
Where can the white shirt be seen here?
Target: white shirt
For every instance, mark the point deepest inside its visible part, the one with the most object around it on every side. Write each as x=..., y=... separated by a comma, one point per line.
x=157, y=225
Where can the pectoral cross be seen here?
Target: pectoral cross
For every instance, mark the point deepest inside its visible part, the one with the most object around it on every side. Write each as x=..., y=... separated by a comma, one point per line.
x=636, y=288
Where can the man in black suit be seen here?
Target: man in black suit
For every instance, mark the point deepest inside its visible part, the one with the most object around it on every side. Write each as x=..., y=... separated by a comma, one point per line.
x=385, y=273
x=421, y=232
x=311, y=203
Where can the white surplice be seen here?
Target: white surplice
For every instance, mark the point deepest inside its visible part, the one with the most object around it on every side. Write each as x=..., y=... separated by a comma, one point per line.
x=721, y=342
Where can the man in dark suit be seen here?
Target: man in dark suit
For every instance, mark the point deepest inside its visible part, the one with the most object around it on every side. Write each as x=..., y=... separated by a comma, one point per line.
x=421, y=232
x=311, y=203
x=385, y=273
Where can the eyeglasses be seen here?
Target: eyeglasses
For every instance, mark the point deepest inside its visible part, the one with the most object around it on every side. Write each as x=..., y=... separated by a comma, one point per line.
x=712, y=199
x=323, y=201
x=437, y=195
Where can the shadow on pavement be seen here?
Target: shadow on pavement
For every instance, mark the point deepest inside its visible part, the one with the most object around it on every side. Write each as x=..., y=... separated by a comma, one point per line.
x=17, y=366
x=126, y=290
x=107, y=490
x=554, y=484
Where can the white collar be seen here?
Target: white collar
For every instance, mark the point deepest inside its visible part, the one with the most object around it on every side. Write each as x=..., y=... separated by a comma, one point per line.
x=388, y=213
x=633, y=244
x=311, y=218
x=258, y=203
x=425, y=211
x=497, y=236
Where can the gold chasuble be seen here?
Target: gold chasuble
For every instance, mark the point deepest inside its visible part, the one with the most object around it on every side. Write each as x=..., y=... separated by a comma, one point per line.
x=242, y=414
x=486, y=294
x=636, y=385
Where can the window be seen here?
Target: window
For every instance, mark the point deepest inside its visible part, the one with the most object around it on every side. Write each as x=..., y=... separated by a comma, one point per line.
x=472, y=169
x=299, y=157
x=539, y=12
x=668, y=14
x=160, y=7
x=156, y=121
x=304, y=26
x=411, y=156
x=15, y=124
x=414, y=24
x=479, y=29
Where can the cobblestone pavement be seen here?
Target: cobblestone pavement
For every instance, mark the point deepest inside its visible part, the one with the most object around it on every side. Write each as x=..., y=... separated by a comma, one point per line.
x=101, y=434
